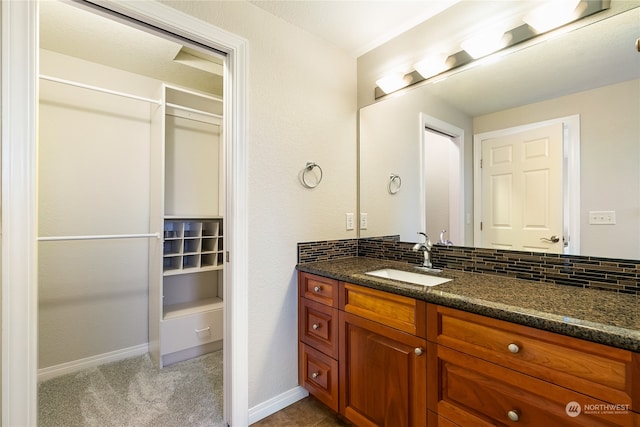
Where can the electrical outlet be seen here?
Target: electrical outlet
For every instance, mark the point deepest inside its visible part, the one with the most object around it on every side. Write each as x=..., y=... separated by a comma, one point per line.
x=349, y=220
x=364, y=221
x=602, y=217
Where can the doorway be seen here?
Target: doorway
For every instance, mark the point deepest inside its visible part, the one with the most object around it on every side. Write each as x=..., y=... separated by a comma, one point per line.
x=19, y=280
x=529, y=176
x=441, y=180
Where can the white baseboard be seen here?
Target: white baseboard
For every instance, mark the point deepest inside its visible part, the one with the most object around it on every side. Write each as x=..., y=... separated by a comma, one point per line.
x=90, y=362
x=277, y=403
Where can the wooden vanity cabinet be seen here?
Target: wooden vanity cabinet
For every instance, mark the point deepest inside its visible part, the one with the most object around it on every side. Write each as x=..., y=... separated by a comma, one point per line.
x=383, y=369
x=491, y=372
x=381, y=359
x=318, y=337
x=362, y=352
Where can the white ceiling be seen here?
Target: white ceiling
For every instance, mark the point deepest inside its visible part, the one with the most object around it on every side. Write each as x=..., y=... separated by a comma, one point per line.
x=354, y=26
x=72, y=31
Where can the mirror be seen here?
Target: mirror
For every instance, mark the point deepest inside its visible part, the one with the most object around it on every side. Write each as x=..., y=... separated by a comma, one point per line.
x=592, y=71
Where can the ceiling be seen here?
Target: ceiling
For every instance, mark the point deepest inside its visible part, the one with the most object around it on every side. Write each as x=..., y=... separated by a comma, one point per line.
x=72, y=31
x=354, y=26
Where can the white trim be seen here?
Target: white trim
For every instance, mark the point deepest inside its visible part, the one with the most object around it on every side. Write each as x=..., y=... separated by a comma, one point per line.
x=456, y=177
x=19, y=256
x=276, y=403
x=19, y=278
x=91, y=362
x=570, y=173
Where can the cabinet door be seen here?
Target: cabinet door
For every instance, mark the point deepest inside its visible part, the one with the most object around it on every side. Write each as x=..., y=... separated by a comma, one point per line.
x=382, y=374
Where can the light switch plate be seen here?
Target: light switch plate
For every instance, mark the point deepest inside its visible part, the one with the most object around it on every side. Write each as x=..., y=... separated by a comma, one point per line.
x=349, y=221
x=364, y=221
x=602, y=217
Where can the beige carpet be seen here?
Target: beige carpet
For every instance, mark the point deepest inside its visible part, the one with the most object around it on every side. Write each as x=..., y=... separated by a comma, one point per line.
x=135, y=393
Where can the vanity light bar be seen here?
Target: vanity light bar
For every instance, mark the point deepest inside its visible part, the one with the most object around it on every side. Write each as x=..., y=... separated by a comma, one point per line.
x=514, y=36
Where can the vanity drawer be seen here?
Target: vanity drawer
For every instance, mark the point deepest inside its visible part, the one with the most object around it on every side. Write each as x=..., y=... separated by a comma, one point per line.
x=604, y=372
x=318, y=288
x=470, y=391
x=319, y=375
x=318, y=325
x=397, y=311
x=184, y=332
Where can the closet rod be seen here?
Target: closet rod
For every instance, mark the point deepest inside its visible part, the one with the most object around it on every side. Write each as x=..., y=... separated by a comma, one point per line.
x=99, y=89
x=99, y=237
x=193, y=110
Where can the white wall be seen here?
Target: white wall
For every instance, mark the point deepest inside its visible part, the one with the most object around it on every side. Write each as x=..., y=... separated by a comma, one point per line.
x=302, y=107
x=93, y=177
x=609, y=159
x=390, y=134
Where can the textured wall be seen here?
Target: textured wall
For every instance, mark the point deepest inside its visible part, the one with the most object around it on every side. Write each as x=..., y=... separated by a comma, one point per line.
x=302, y=107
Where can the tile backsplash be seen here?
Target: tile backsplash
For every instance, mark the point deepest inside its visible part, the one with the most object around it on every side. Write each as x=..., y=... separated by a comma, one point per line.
x=615, y=275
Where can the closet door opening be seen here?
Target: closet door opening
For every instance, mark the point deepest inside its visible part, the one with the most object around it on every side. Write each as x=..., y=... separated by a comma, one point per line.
x=131, y=218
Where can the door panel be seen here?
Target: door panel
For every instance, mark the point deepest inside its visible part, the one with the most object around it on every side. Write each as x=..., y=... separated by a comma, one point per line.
x=382, y=375
x=522, y=190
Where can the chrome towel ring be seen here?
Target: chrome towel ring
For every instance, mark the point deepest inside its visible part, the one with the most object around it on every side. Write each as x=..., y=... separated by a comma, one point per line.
x=395, y=182
x=306, y=180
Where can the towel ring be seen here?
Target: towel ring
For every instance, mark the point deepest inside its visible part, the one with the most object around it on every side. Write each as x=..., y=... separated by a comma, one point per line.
x=310, y=166
x=395, y=182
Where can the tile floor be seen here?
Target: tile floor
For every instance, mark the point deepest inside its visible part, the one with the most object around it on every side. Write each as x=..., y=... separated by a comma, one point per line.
x=307, y=412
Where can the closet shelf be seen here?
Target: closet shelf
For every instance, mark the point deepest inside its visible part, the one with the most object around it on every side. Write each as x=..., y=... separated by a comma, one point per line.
x=193, y=307
x=201, y=217
x=186, y=270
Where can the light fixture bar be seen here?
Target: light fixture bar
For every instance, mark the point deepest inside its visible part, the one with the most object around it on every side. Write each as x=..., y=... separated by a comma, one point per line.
x=515, y=36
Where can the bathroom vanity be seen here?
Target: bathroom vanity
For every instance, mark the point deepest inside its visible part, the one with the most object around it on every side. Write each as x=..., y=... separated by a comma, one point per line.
x=479, y=350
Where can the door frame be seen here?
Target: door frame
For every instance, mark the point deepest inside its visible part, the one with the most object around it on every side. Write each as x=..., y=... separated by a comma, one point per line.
x=19, y=194
x=570, y=177
x=456, y=177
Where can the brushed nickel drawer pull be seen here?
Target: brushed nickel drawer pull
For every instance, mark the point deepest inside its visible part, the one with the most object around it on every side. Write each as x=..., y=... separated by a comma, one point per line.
x=208, y=328
x=513, y=348
x=316, y=326
x=513, y=415
x=317, y=289
x=418, y=351
x=315, y=375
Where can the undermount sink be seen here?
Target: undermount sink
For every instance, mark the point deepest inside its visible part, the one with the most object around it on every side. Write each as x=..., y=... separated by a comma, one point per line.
x=407, y=276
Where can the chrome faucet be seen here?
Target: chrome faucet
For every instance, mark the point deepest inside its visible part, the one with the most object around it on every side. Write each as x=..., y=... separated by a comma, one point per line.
x=442, y=241
x=426, y=248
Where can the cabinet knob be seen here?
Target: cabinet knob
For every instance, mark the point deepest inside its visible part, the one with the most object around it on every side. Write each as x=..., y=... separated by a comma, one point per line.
x=513, y=348
x=513, y=415
x=316, y=326
x=317, y=289
x=418, y=351
x=315, y=375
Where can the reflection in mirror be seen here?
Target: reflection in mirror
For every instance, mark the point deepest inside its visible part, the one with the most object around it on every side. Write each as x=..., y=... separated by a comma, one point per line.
x=592, y=72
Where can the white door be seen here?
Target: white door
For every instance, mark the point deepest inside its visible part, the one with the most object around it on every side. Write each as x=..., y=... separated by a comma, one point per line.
x=522, y=190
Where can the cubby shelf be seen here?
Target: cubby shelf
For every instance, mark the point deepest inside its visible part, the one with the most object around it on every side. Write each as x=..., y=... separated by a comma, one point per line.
x=191, y=245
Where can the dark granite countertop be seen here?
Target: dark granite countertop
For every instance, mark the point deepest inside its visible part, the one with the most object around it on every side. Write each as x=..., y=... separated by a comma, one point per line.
x=600, y=316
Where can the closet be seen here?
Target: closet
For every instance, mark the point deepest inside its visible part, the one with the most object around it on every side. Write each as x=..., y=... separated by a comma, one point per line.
x=186, y=267
x=130, y=217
